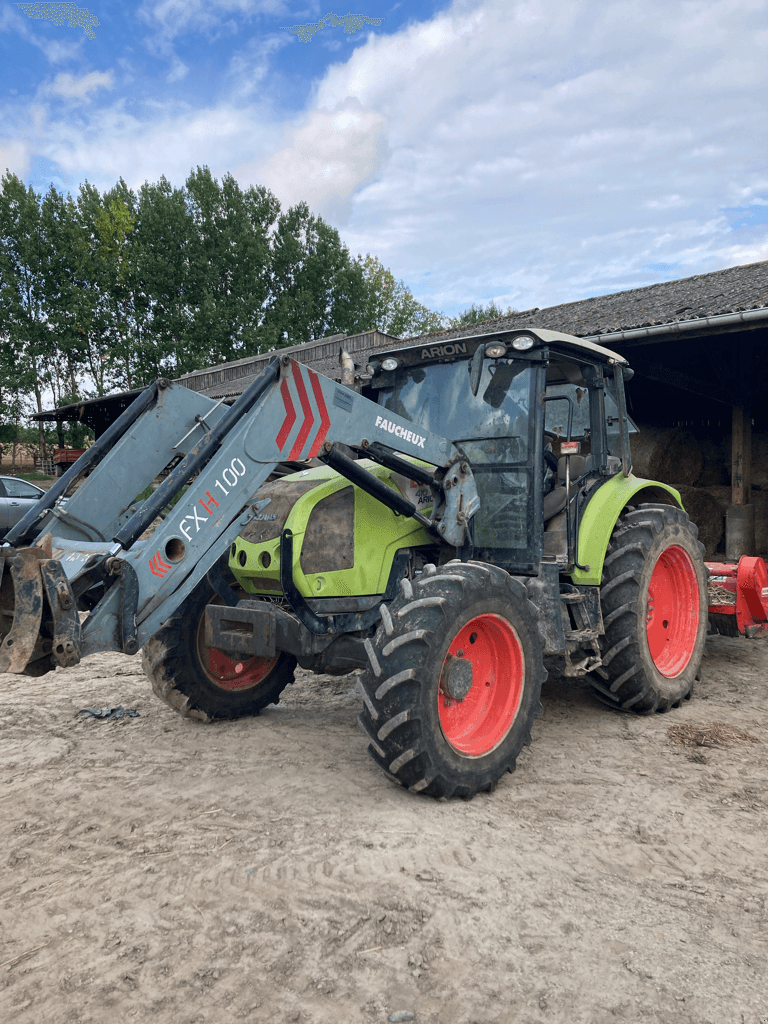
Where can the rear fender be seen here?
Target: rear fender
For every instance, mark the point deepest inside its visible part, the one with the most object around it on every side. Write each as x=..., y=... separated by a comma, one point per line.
x=599, y=518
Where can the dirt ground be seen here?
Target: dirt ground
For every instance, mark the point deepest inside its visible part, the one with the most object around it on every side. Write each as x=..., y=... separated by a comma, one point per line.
x=156, y=869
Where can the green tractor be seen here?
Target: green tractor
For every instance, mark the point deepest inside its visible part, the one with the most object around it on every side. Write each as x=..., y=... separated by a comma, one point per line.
x=454, y=587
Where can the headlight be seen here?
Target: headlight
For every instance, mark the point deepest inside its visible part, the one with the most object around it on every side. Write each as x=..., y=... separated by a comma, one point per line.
x=495, y=349
x=389, y=364
x=522, y=342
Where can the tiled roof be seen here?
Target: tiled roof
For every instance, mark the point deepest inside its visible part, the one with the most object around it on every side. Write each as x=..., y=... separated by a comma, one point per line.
x=690, y=298
x=230, y=379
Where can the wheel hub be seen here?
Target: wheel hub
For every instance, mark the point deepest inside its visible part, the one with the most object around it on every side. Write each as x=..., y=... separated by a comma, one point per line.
x=456, y=677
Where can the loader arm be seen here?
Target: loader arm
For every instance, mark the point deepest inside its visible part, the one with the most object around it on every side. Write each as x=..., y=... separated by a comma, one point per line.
x=91, y=554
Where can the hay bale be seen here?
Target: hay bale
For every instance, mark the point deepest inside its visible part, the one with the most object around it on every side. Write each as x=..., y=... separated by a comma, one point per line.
x=716, y=458
x=706, y=512
x=670, y=455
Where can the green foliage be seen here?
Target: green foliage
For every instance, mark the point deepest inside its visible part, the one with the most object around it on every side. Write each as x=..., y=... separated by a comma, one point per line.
x=107, y=291
x=476, y=314
x=317, y=289
x=390, y=306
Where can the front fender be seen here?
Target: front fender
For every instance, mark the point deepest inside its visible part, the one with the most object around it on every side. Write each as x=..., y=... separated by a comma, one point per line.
x=599, y=518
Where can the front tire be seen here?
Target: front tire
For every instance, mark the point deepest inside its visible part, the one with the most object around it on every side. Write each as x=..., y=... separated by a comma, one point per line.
x=203, y=683
x=654, y=604
x=454, y=680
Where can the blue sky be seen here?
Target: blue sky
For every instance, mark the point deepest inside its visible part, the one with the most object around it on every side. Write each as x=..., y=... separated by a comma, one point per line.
x=528, y=152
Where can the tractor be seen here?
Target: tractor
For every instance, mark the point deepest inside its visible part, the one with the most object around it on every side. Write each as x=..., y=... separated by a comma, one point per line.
x=461, y=516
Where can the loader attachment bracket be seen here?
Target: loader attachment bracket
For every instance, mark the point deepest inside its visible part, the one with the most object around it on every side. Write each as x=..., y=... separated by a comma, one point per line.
x=66, y=621
x=20, y=642
x=45, y=627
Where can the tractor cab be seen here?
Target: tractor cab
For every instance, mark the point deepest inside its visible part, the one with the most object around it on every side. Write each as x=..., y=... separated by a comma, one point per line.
x=537, y=415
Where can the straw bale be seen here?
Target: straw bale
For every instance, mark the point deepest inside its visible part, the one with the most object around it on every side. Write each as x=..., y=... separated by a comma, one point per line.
x=669, y=455
x=705, y=511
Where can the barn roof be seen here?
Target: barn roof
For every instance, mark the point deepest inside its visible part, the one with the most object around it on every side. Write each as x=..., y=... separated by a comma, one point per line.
x=734, y=290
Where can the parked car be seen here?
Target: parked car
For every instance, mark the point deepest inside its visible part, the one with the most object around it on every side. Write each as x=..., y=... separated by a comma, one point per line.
x=16, y=498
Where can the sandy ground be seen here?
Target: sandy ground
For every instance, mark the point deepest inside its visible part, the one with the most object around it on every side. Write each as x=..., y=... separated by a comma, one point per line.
x=156, y=869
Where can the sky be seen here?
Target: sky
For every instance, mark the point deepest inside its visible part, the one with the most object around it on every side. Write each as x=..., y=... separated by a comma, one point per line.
x=529, y=153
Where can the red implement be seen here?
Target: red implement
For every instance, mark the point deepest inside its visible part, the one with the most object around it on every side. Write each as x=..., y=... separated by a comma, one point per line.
x=738, y=597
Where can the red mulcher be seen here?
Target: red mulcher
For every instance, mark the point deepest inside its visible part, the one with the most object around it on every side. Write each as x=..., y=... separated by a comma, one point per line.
x=738, y=597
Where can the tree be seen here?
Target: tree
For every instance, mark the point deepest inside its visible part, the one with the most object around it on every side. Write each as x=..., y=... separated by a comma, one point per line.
x=476, y=314
x=316, y=288
x=228, y=266
x=28, y=344
x=164, y=239
x=390, y=305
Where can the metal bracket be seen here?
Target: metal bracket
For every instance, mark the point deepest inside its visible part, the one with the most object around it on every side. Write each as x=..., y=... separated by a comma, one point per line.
x=19, y=645
x=129, y=600
x=461, y=502
x=66, y=621
x=216, y=579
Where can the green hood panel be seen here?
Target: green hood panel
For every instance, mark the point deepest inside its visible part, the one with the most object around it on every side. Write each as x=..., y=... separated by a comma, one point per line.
x=600, y=515
x=344, y=540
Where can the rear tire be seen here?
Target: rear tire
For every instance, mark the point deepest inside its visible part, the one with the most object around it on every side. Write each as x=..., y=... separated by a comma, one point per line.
x=654, y=604
x=454, y=680
x=207, y=684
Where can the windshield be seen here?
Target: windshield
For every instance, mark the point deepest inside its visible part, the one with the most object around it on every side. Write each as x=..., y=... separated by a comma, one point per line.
x=493, y=430
x=439, y=398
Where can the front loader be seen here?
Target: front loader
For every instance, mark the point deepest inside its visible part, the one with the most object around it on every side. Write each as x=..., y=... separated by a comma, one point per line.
x=490, y=525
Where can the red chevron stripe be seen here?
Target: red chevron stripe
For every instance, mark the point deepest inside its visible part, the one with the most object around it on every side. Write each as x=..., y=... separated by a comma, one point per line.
x=309, y=419
x=157, y=566
x=290, y=415
x=325, y=419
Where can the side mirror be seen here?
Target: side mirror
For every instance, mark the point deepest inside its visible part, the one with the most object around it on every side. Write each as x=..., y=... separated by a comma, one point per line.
x=476, y=368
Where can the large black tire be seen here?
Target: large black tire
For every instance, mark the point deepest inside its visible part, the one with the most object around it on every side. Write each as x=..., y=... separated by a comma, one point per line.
x=434, y=724
x=654, y=604
x=207, y=685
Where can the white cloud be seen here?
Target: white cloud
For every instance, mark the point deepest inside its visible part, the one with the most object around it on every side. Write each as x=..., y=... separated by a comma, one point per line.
x=173, y=18
x=327, y=159
x=14, y=157
x=72, y=88
x=114, y=143
x=518, y=132
x=178, y=71
x=249, y=66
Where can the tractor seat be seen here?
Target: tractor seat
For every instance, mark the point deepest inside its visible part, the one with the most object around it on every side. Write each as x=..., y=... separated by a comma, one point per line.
x=554, y=502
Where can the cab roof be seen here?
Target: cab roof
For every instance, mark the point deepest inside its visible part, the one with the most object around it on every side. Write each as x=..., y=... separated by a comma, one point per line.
x=427, y=350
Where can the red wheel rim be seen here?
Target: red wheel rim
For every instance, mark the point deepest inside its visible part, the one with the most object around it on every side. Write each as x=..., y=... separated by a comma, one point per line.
x=673, y=612
x=233, y=674
x=478, y=722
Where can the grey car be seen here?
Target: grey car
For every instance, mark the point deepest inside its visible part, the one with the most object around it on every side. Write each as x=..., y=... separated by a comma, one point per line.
x=16, y=498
